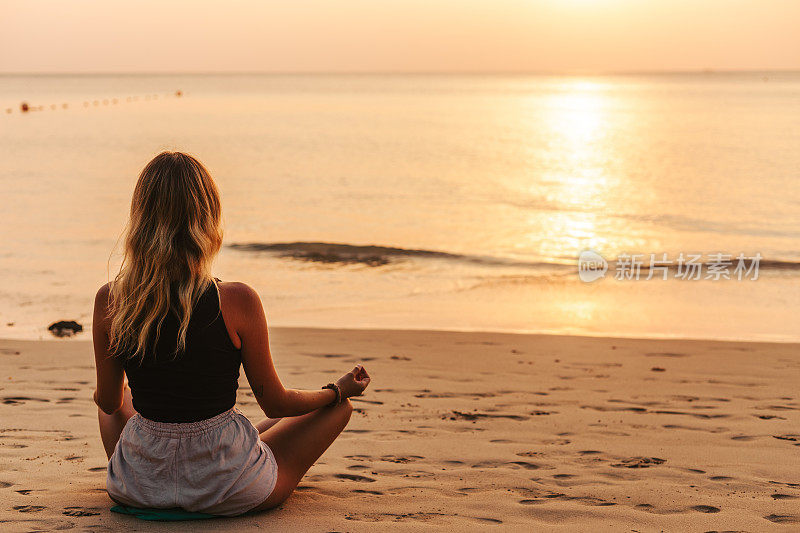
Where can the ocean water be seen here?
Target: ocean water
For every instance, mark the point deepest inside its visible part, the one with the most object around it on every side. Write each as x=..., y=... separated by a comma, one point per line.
x=455, y=202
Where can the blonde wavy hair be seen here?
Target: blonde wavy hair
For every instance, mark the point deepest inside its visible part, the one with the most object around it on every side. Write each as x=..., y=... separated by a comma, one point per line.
x=172, y=237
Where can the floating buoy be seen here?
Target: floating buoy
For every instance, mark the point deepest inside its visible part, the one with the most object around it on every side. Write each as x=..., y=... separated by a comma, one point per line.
x=25, y=107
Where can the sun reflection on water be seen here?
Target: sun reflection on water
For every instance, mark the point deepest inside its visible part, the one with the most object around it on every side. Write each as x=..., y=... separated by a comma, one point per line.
x=581, y=184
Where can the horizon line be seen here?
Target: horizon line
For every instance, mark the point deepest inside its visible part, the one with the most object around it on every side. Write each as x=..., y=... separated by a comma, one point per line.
x=568, y=72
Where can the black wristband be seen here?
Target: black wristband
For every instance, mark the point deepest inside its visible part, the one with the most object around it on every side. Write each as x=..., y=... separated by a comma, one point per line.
x=335, y=388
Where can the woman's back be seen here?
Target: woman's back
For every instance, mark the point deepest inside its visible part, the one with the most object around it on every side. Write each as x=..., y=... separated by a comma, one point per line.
x=194, y=385
x=176, y=439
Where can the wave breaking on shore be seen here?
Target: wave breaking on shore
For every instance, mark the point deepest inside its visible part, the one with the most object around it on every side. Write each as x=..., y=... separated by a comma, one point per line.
x=376, y=256
x=371, y=255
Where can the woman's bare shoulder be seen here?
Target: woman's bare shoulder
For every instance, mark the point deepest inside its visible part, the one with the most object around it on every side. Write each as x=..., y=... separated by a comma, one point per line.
x=238, y=295
x=101, y=298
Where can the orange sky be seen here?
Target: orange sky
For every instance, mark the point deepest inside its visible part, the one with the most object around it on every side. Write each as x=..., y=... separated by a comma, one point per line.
x=397, y=35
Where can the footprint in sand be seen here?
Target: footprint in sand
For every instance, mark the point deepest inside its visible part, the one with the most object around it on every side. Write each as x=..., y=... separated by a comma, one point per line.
x=500, y=464
x=459, y=415
x=717, y=429
x=364, y=491
x=696, y=415
x=705, y=508
x=355, y=477
x=778, y=496
x=394, y=517
x=25, y=492
x=528, y=454
x=401, y=459
x=28, y=508
x=597, y=502
x=330, y=355
x=639, y=462
x=80, y=511
x=15, y=400
x=526, y=465
x=472, y=395
x=783, y=518
x=360, y=359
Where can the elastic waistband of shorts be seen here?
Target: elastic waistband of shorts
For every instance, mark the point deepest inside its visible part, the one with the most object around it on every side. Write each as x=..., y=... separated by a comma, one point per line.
x=184, y=429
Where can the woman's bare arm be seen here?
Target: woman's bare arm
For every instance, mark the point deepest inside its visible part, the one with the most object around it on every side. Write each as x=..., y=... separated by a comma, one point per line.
x=250, y=324
x=110, y=375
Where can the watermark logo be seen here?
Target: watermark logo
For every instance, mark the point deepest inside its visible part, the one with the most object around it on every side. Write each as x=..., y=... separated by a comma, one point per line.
x=591, y=266
x=689, y=267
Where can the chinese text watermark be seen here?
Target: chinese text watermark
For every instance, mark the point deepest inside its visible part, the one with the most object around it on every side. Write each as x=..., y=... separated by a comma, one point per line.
x=689, y=267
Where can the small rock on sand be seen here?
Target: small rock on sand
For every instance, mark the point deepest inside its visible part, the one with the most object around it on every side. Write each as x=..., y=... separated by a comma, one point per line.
x=65, y=328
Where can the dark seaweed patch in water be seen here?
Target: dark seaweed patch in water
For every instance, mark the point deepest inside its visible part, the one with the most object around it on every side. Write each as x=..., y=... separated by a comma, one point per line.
x=377, y=256
x=320, y=252
x=371, y=255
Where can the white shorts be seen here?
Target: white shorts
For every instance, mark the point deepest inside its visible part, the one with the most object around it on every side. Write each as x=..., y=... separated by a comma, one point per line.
x=216, y=466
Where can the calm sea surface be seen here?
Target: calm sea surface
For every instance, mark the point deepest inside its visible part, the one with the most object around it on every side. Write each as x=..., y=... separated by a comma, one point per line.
x=506, y=179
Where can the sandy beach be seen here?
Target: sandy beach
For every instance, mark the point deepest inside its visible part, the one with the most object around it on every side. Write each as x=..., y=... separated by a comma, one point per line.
x=473, y=431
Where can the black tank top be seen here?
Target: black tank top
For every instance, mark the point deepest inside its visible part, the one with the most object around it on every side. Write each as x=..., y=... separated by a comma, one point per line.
x=196, y=384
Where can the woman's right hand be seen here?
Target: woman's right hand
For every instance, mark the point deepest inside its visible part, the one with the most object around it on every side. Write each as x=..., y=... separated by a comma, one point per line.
x=354, y=382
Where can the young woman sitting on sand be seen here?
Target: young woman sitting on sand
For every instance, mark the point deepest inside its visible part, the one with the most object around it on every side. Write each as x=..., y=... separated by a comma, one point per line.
x=174, y=438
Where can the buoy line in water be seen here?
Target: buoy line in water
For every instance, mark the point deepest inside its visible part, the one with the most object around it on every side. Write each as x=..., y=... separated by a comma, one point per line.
x=25, y=107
